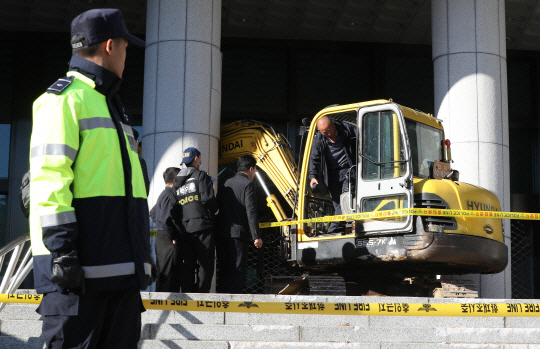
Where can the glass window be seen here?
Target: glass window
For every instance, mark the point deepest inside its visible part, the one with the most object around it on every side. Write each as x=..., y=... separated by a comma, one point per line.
x=371, y=146
x=3, y=219
x=523, y=157
x=5, y=130
x=385, y=203
x=346, y=77
x=426, y=146
x=382, y=147
x=254, y=78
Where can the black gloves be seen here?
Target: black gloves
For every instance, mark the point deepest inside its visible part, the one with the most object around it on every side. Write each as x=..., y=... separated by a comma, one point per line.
x=67, y=272
x=150, y=279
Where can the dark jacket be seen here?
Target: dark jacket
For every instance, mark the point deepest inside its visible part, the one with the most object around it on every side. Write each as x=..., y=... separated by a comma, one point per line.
x=145, y=175
x=193, y=211
x=238, y=217
x=317, y=163
x=161, y=211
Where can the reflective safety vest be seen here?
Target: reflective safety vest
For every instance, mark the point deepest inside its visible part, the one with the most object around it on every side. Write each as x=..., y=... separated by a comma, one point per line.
x=87, y=190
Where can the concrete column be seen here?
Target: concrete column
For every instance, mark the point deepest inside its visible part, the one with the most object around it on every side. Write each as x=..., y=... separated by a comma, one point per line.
x=469, y=58
x=182, y=85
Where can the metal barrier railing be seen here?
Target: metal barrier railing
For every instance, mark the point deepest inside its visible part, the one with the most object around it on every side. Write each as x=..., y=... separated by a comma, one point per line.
x=17, y=269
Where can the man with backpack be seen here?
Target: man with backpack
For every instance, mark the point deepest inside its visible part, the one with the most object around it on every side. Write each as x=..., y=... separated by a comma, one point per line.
x=194, y=216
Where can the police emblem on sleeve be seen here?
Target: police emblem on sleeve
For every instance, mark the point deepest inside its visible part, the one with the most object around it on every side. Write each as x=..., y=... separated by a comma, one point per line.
x=60, y=85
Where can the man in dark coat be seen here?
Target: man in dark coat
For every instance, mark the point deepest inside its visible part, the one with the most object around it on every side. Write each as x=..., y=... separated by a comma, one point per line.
x=168, y=256
x=194, y=215
x=238, y=226
x=334, y=149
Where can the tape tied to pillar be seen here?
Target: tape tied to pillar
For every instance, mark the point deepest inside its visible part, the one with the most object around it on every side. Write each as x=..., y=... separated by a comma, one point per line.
x=464, y=309
x=389, y=214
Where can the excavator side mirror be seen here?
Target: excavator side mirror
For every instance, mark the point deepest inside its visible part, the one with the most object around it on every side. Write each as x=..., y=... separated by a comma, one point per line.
x=448, y=151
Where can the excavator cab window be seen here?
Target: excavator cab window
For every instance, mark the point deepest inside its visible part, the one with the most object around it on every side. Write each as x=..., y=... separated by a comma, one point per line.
x=382, y=147
x=426, y=146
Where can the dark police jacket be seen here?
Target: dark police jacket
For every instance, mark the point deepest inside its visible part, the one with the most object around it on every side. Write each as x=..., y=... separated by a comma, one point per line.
x=317, y=163
x=161, y=212
x=196, y=205
x=238, y=217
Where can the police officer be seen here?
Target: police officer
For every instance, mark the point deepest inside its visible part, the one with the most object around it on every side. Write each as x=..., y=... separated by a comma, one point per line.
x=88, y=210
x=194, y=216
x=168, y=257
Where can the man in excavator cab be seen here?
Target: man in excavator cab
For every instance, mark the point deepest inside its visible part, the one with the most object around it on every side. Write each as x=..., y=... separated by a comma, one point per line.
x=331, y=161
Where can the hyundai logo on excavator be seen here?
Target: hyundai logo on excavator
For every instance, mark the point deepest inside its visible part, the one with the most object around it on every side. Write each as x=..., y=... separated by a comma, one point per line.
x=231, y=146
x=480, y=206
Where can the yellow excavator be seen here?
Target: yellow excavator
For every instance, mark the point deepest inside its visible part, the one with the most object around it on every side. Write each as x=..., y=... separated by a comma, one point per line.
x=403, y=161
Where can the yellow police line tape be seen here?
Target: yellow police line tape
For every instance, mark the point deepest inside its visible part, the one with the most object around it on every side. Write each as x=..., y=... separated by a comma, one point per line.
x=408, y=212
x=341, y=308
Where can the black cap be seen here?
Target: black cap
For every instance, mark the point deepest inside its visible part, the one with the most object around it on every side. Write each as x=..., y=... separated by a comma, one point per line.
x=189, y=154
x=99, y=25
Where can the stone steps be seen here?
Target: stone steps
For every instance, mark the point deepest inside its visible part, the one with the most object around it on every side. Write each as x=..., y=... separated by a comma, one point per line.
x=20, y=327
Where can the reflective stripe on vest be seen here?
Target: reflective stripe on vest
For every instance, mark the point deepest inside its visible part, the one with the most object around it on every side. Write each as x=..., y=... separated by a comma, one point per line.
x=110, y=270
x=97, y=122
x=54, y=149
x=127, y=129
x=58, y=219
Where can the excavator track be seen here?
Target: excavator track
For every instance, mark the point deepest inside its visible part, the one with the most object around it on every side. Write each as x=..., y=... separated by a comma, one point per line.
x=456, y=289
x=326, y=285
x=309, y=285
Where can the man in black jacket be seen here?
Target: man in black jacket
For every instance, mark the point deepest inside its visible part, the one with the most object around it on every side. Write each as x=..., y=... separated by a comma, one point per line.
x=168, y=256
x=334, y=148
x=238, y=225
x=194, y=215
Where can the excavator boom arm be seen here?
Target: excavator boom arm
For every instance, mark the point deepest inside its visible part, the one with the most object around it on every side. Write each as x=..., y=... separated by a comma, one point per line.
x=271, y=150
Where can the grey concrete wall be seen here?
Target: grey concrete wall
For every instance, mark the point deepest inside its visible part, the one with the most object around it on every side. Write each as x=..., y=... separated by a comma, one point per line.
x=182, y=85
x=469, y=58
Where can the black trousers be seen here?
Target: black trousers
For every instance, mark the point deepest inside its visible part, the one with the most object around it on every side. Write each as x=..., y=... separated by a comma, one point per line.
x=199, y=252
x=168, y=263
x=100, y=320
x=232, y=256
